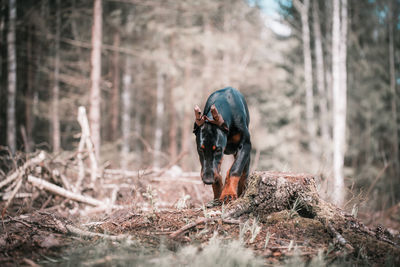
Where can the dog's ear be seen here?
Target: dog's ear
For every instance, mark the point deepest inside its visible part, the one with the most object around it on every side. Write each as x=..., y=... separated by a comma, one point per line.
x=218, y=120
x=216, y=116
x=199, y=119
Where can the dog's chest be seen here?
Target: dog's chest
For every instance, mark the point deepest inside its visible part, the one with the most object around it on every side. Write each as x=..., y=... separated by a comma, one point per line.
x=233, y=143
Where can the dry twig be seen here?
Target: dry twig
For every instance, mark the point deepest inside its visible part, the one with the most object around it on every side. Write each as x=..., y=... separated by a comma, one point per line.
x=13, y=193
x=201, y=221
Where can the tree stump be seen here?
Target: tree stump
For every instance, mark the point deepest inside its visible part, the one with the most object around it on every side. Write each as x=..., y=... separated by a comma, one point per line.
x=269, y=192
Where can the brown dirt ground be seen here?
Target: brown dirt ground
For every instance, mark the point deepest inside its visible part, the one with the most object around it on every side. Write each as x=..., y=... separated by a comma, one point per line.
x=36, y=237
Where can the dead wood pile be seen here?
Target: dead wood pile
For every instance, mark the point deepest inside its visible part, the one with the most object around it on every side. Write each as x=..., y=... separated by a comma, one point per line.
x=47, y=181
x=65, y=183
x=270, y=192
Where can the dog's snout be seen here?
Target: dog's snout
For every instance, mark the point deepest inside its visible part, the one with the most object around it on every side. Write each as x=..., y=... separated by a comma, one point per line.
x=208, y=177
x=208, y=180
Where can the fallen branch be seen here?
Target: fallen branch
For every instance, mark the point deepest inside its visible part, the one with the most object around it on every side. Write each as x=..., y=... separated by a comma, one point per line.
x=11, y=186
x=20, y=221
x=62, y=192
x=65, y=182
x=85, y=137
x=79, y=232
x=201, y=221
x=7, y=196
x=9, y=179
x=34, y=161
x=341, y=240
x=44, y=205
x=13, y=193
x=68, y=227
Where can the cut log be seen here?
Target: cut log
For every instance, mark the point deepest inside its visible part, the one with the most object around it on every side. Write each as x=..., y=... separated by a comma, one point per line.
x=269, y=192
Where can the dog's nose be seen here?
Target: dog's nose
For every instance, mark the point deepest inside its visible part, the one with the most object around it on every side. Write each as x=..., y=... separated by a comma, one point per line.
x=208, y=177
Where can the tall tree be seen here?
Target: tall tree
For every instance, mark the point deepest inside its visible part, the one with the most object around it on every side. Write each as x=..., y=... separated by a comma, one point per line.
x=138, y=108
x=126, y=111
x=339, y=86
x=158, y=135
x=29, y=117
x=172, y=135
x=173, y=126
x=95, y=76
x=320, y=71
x=393, y=103
x=55, y=118
x=115, y=87
x=12, y=77
x=226, y=28
x=187, y=119
x=303, y=9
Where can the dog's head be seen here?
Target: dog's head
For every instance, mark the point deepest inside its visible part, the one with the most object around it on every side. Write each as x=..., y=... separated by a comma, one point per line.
x=211, y=139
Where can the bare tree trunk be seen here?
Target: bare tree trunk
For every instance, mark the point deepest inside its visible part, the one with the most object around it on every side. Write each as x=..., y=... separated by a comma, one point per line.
x=394, y=95
x=327, y=50
x=138, y=98
x=75, y=34
x=2, y=31
x=159, y=118
x=339, y=33
x=320, y=69
x=226, y=59
x=303, y=9
x=29, y=94
x=343, y=55
x=208, y=57
x=115, y=88
x=55, y=104
x=95, y=76
x=173, y=147
x=187, y=118
x=12, y=78
x=126, y=111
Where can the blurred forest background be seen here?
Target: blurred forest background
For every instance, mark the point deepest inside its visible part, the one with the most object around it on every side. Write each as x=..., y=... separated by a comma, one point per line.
x=321, y=79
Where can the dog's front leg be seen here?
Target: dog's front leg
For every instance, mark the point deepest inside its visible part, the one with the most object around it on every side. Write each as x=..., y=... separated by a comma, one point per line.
x=237, y=175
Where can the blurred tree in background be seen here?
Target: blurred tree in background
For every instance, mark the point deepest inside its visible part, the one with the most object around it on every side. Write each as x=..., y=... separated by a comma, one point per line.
x=157, y=59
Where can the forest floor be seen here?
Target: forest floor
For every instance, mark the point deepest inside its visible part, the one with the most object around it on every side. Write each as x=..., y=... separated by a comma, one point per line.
x=158, y=219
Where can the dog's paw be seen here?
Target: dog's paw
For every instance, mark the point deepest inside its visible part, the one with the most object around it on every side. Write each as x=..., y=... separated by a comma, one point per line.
x=228, y=196
x=229, y=192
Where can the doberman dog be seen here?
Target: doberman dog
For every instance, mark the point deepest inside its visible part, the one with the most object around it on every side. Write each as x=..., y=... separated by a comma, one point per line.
x=223, y=129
